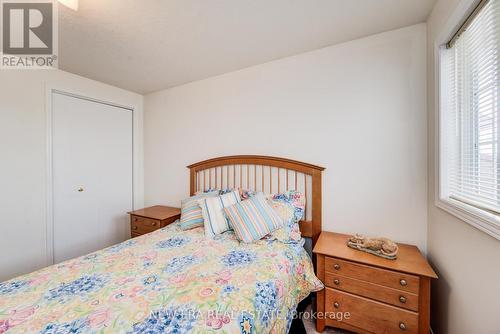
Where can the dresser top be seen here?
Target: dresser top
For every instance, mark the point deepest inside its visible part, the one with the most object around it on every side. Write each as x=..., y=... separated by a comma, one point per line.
x=158, y=212
x=409, y=258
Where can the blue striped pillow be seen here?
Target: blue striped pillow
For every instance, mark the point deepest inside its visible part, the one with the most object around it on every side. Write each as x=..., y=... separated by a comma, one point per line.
x=253, y=218
x=191, y=215
x=213, y=215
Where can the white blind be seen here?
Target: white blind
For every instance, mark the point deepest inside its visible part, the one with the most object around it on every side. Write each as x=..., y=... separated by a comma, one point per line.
x=469, y=106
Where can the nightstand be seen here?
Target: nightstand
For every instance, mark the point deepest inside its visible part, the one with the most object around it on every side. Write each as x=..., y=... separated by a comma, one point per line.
x=380, y=295
x=152, y=218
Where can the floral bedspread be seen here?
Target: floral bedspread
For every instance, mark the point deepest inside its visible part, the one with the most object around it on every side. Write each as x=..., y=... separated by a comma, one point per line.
x=169, y=281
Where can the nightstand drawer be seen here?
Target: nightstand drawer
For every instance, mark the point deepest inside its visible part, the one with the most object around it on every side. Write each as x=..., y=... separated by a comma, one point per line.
x=170, y=220
x=152, y=218
x=141, y=225
x=381, y=293
x=369, y=315
x=391, y=279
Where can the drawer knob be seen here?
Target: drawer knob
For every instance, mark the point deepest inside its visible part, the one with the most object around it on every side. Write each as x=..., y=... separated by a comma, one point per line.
x=336, y=305
x=336, y=266
x=154, y=223
x=134, y=227
x=336, y=282
x=136, y=219
x=402, y=299
x=402, y=326
x=403, y=282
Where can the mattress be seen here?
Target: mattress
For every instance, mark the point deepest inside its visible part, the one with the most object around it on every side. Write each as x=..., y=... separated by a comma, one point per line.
x=168, y=281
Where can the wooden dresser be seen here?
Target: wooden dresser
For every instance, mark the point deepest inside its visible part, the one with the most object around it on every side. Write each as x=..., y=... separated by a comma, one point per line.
x=152, y=218
x=368, y=294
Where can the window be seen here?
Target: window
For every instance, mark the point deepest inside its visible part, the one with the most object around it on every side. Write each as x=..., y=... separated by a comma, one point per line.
x=469, y=119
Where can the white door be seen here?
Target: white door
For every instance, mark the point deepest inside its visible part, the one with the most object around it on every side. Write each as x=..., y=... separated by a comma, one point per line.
x=92, y=175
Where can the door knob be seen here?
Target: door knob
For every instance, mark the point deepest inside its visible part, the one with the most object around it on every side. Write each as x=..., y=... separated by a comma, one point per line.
x=80, y=189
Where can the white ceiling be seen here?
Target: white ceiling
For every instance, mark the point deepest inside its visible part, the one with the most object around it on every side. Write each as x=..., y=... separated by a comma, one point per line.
x=149, y=45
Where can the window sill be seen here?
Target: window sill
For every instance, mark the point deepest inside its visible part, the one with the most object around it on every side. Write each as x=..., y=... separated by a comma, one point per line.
x=481, y=219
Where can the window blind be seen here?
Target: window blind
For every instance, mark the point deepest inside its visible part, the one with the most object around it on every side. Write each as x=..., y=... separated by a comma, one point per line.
x=469, y=105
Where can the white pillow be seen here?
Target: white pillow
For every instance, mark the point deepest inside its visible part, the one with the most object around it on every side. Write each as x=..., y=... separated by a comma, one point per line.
x=212, y=209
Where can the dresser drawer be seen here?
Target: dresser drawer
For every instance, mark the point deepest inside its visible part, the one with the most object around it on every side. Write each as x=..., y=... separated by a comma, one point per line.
x=381, y=293
x=141, y=225
x=169, y=221
x=391, y=279
x=369, y=315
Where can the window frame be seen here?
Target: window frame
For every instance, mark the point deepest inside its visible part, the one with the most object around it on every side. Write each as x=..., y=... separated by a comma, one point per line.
x=481, y=219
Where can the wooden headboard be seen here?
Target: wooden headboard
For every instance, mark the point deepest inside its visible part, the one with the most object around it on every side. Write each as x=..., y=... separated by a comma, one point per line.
x=266, y=174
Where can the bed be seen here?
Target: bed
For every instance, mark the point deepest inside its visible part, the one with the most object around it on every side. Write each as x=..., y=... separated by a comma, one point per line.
x=175, y=281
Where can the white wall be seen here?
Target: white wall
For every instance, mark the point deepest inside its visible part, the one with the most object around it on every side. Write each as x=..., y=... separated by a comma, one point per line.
x=357, y=109
x=466, y=296
x=23, y=170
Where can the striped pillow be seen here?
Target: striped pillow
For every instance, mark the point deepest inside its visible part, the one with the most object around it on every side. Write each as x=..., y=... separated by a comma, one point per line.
x=213, y=214
x=253, y=218
x=191, y=215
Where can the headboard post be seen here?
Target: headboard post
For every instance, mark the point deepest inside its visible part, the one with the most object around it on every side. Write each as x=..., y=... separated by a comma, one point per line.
x=274, y=174
x=316, y=206
x=192, y=181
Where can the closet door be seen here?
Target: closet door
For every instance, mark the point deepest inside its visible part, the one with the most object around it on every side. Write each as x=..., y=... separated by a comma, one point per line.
x=92, y=175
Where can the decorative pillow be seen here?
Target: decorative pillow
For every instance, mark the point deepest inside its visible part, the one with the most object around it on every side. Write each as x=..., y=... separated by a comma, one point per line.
x=253, y=218
x=290, y=207
x=213, y=214
x=191, y=215
x=296, y=199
